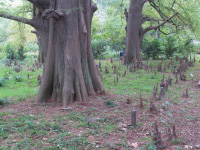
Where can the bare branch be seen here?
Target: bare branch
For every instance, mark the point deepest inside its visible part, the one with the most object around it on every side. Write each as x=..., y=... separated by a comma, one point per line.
x=158, y=9
x=173, y=4
x=163, y=23
x=144, y=19
x=162, y=15
x=19, y=19
x=165, y=32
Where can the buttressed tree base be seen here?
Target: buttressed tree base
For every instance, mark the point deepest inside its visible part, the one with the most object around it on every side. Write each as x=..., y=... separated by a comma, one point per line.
x=63, y=29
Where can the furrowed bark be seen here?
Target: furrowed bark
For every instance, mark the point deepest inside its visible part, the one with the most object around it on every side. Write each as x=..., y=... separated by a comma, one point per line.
x=133, y=32
x=47, y=79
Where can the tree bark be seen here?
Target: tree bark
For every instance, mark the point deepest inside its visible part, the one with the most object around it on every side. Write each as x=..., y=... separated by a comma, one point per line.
x=64, y=32
x=132, y=51
x=74, y=72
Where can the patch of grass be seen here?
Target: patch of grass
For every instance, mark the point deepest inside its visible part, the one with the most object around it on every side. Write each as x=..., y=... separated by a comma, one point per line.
x=63, y=141
x=25, y=128
x=108, y=128
x=4, y=113
x=110, y=103
x=175, y=101
x=177, y=141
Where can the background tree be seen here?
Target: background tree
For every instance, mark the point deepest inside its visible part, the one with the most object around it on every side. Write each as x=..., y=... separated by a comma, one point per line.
x=63, y=29
x=141, y=21
x=108, y=28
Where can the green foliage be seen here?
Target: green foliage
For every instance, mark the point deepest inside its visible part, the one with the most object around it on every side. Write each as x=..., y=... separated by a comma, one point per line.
x=10, y=51
x=2, y=82
x=99, y=47
x=31, y=47
x=18, y=78
x=108, y=28
x=177, y=141
x=114, y=28
x=20, y=53
x=152, y=49
x=3, y=101
x=170, y=46
x=151, y=147
x=110, y=103
x=156, y=44
x=188, y=46
x=73, y=143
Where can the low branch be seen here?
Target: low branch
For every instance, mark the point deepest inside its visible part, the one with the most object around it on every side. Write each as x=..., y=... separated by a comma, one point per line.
x=163, y=23
x=144, y=19
x=19, y=19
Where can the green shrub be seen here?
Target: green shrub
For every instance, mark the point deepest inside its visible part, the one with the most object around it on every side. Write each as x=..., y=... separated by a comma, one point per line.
x=18, y=79
x=31, y=47
x=20, y=53
x=3, y=101
x=6, y=76
x=2, y=82
x=98, y=47
x=10, y=51
x=152, y=49
x=110, y=103
x=170, y=46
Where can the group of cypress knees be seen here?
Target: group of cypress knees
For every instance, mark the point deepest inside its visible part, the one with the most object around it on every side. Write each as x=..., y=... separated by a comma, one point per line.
x=184, y=63
x=183, y=66
x=17, y=68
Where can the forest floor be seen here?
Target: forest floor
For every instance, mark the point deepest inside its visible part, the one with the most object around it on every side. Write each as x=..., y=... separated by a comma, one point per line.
x=105, y=121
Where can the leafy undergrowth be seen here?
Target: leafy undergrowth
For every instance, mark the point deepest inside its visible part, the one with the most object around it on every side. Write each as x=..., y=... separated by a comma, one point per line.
x=104, y=122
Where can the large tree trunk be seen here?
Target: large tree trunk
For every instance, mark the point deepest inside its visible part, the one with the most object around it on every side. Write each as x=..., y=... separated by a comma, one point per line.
x=133, y=45
x=63, y=29
x=65, y=39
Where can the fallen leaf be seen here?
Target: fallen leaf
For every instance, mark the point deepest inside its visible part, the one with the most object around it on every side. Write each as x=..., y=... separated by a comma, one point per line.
x=135, y=145
x=187, y=147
